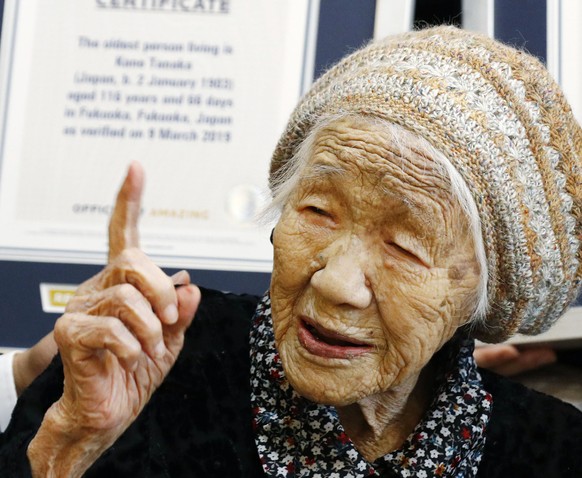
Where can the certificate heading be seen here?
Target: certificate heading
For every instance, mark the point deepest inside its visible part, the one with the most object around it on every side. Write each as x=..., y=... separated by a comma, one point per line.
x=173, y=6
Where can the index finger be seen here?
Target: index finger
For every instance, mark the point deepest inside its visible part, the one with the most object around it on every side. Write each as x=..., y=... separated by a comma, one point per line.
x=123, y=231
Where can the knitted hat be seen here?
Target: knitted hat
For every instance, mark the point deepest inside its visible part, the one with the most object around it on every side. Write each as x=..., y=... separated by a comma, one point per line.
x=504, y=124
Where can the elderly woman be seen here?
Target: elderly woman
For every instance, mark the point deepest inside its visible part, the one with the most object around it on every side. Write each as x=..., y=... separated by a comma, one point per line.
x=430, y=192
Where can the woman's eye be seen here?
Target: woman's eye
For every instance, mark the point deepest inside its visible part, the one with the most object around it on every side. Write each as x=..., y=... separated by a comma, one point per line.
x=316, y=210
x=404, y=253
x=318, y=216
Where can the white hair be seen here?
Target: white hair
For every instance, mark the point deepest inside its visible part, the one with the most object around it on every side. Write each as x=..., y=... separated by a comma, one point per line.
x=289, y=176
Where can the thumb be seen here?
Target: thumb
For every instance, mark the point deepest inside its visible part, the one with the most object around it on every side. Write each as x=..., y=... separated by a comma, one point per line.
x=188, y=301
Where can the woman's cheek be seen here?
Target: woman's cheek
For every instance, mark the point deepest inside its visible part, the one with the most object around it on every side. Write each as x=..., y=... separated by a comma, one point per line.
x=294, y=261
x=281, y=324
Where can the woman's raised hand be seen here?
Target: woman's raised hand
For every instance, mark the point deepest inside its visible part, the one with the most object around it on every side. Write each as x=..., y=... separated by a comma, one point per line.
x=118, y=339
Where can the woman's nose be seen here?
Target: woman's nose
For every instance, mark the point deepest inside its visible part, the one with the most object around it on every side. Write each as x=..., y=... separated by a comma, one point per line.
x=342, y=280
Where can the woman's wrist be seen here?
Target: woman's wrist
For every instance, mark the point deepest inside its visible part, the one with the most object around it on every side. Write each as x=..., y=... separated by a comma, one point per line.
x=62, y=447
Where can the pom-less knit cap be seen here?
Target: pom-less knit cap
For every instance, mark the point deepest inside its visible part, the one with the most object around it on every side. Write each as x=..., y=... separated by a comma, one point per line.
x=504, y=124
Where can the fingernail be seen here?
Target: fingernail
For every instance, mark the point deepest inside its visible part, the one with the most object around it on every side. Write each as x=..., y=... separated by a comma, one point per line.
x=171, y=314
x=160, y=349
x=180, y=277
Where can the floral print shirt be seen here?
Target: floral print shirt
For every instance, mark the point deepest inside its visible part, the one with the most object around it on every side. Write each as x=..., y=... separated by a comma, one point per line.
x=299, y=438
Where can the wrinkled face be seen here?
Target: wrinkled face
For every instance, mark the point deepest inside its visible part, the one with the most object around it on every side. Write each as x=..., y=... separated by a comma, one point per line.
x=374, y=268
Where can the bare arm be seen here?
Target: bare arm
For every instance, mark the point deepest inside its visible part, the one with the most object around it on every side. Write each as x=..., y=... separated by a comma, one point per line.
x=509, y=360
x=29, y=364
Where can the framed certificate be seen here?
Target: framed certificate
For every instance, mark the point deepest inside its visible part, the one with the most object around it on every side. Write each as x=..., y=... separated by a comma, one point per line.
x=196, y=90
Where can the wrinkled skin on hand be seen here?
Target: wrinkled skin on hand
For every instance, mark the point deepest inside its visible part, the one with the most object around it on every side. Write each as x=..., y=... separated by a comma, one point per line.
x=118, y=339
x=113, y=365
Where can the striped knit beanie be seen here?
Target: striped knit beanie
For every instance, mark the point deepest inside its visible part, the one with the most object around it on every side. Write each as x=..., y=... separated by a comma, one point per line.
x=504, y=124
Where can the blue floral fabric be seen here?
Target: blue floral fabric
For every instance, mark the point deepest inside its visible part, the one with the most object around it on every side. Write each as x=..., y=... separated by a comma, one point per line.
x=299, y=438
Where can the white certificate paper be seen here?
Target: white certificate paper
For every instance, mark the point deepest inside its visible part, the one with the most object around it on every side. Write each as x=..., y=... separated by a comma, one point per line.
x=197, y=90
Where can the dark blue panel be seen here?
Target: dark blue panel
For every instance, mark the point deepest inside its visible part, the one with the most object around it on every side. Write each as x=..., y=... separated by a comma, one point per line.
x=22, y=320
x=522, y=23
x=344, y=26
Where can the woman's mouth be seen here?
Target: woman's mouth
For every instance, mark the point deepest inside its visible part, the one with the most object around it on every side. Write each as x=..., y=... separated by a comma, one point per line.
x=324, y=343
